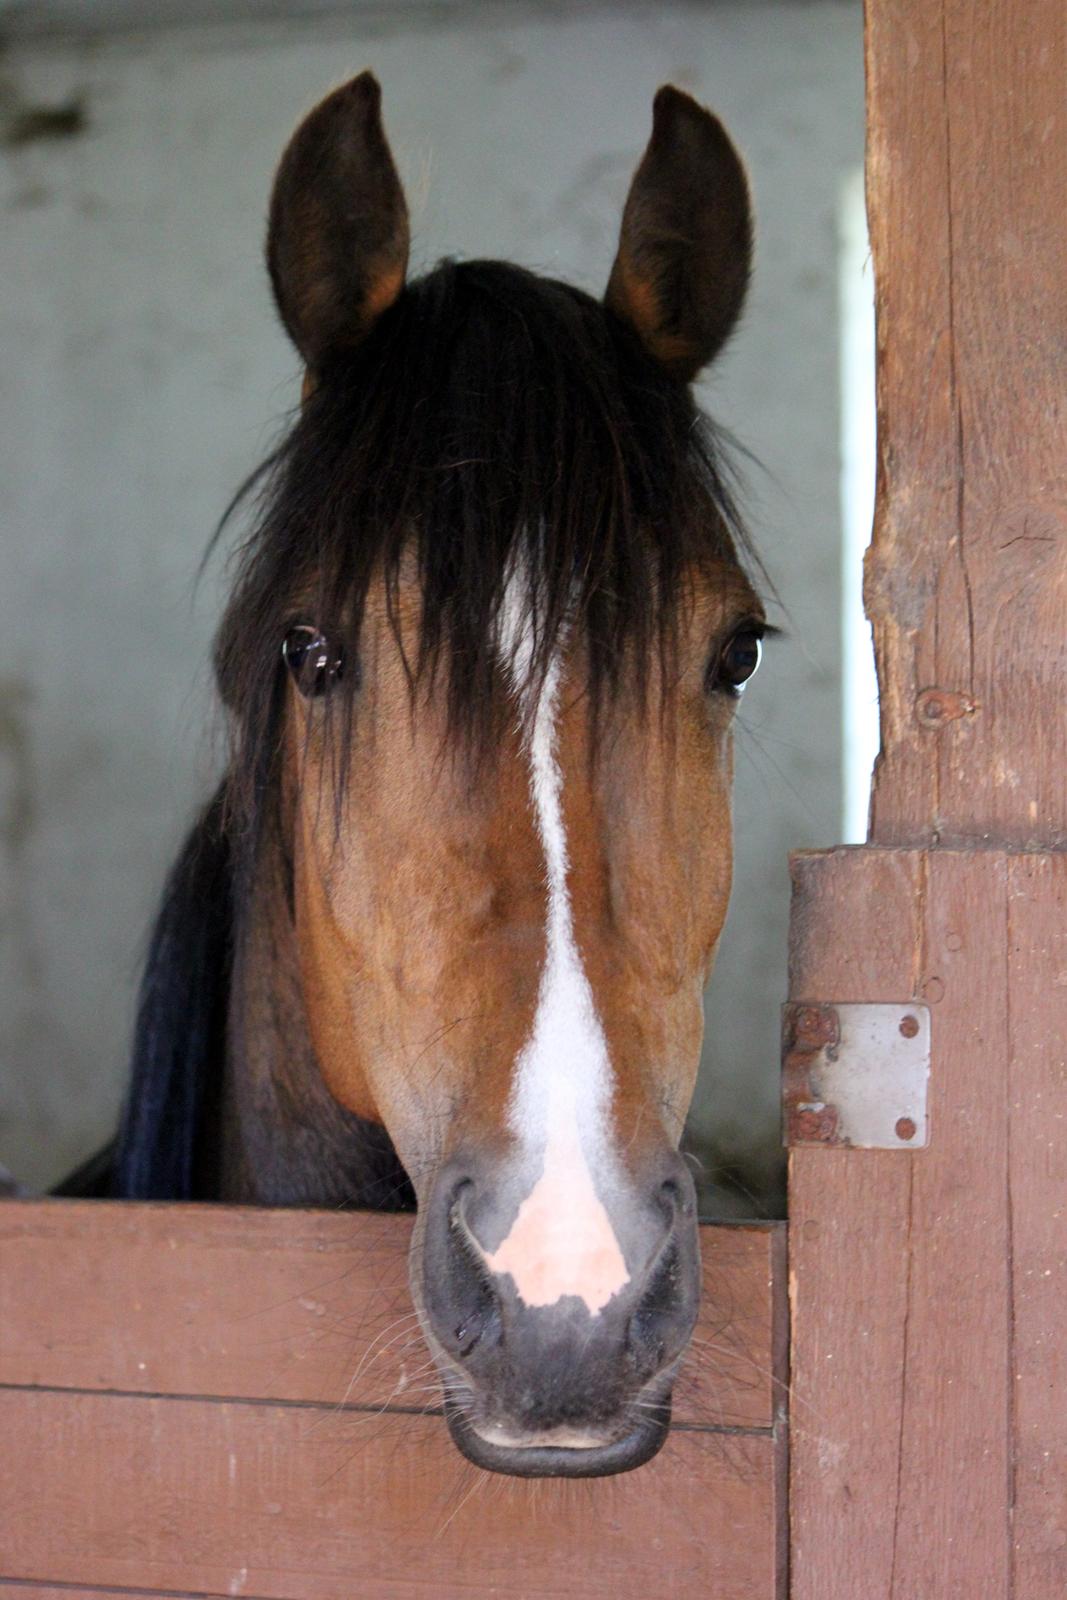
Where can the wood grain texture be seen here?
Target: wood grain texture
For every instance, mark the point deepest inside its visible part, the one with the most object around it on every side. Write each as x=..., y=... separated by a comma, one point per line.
x=227, y=1498
x=967, y=573
x=952, y=1511
x=169, y=1379
x=853, y=939
x=298, y=1305
x=1037, y=1102
x=929, y=1360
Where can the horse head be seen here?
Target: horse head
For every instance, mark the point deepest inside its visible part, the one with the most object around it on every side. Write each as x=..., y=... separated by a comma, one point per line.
x=498, y=558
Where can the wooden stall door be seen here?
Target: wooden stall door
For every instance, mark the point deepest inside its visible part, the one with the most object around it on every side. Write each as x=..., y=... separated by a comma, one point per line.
x=929, y=1288
x=203, y=1400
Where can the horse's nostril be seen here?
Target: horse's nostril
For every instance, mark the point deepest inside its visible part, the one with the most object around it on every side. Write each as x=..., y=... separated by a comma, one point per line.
x=677, y=1198
x=459, y=1190
x=472, y=1329
x=464, y=1292
x=650, y=1327
x=669, y=1199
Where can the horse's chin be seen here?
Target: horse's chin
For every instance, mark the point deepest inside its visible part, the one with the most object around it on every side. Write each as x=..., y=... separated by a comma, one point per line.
x=572, y=1451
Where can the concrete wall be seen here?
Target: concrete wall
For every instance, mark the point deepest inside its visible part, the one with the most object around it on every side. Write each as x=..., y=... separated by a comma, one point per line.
x=143, y=376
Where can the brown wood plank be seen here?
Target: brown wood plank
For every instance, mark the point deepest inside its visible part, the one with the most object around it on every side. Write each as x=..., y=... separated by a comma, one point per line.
x=853, y=939
x=232, y=1498
x=899, y=1262
x=297, y=1305
x=967, y=573
x=1037, y=911
x=918, y=448
x=952, y=1512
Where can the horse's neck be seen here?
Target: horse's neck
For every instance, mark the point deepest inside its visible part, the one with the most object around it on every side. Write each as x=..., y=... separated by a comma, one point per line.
x=284, y=1139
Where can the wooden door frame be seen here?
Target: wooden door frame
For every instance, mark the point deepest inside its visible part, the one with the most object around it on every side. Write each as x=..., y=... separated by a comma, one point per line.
x=928, y=1288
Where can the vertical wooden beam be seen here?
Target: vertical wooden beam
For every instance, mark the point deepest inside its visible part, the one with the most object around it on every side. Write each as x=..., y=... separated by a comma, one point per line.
x=952, y=1515
x=1037, y=1097
x=848, y=1242
x=918, y=446
x=967, y=573
x=929, y=1354
x=929, y=1357
x=902, y=1444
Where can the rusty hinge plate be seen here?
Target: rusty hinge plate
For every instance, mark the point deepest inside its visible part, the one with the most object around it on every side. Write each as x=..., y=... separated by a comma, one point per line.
x=855, y=1075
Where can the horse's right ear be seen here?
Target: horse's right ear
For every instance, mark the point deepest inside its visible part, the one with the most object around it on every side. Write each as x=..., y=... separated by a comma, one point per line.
x=337, y=240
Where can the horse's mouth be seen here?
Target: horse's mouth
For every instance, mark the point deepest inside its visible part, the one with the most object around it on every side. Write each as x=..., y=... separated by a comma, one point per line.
x=569, y=1451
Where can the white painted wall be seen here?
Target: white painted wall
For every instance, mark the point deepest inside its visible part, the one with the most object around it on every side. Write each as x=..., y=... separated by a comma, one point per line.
x=143, y=376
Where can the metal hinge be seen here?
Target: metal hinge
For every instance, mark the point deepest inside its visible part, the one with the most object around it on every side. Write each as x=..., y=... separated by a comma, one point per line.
x=855, y=1075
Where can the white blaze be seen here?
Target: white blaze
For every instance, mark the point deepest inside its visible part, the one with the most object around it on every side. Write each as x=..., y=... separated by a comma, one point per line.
x=562, y=1241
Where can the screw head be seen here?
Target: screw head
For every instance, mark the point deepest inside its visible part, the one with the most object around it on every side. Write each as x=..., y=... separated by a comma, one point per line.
x=814, y=1127
x=909, y=1026
x=814, y=1027
x=935, y=707
x=905, y=1128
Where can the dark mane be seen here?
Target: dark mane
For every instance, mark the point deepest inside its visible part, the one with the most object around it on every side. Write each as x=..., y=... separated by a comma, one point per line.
x=179, y=1046
x=493, y=421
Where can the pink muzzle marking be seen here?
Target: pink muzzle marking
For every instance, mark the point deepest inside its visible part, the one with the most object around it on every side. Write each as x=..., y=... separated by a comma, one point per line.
x=562, y=1241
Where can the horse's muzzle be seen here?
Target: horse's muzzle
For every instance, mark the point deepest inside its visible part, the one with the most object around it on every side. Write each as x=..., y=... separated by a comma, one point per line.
x=558, y=1390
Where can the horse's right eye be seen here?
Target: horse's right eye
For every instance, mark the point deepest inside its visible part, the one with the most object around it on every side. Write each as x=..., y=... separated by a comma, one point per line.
x=314, y=661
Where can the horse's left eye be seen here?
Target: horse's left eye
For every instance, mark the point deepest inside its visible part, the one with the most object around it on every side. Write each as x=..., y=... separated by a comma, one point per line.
x=738, y=661
x=314, y=661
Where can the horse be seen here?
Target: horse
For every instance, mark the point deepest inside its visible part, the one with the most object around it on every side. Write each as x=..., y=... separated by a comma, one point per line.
x=441, y=937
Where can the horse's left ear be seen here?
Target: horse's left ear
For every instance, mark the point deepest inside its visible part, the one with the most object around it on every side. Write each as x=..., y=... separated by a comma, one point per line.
x=337, y=240
x=685, y=250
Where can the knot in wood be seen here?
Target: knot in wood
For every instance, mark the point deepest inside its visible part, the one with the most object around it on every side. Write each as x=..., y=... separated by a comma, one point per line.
x=935, y=707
